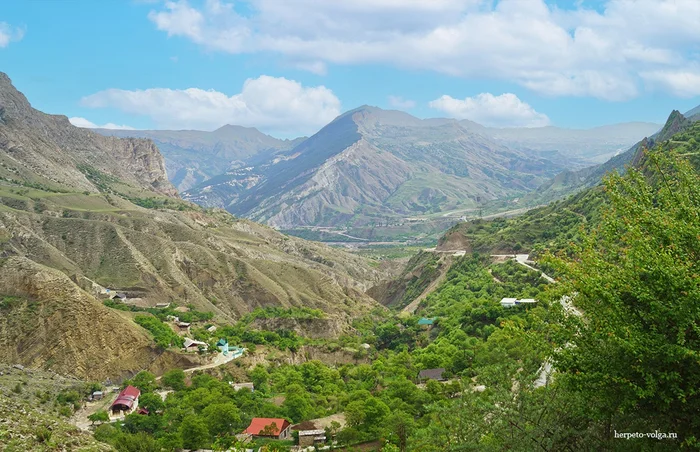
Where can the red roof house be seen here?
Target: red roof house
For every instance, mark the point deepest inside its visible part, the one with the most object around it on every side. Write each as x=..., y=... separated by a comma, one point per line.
x=269, y=427
x=127, y=400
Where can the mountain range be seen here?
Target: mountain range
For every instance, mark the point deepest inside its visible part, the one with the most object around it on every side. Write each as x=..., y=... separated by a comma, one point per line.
x=371, y=166
x=81, y=213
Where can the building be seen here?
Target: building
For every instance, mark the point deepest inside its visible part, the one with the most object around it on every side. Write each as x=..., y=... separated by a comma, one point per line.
x=118, y=296
x=526, y=301
x=191, y=345
x=432, y=374
x=222, y=345
x=97, y=395
x=426, y=322
x=239, y=386
x=508, y=302
x=162, y=305
x=127, y=401
x=269, y=428
x=184, y=326
x=212, y=328
x=309, y=438
x=236, y=351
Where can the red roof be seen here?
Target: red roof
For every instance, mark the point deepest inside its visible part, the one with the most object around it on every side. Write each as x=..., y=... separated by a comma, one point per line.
x=127, y=397
x=258, y=424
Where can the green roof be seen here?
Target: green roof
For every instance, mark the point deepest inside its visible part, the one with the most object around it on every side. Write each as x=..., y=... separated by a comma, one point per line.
x=426, y=321
x=221, y=342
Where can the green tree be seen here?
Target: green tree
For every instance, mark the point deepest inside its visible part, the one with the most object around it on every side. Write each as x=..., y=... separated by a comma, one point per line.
x=637, y=279
x=99, y=416
x=194, y=432
x=222, y=418
x=144, y=380
x=151, y=402
x=174, y=379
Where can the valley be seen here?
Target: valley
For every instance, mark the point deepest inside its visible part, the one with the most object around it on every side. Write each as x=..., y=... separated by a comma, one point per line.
x=132, y=318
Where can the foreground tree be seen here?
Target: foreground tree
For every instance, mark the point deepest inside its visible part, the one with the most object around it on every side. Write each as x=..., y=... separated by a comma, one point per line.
x=636, y=353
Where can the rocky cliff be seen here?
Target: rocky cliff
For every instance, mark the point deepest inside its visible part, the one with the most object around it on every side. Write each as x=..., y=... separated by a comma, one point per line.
x=46, y=149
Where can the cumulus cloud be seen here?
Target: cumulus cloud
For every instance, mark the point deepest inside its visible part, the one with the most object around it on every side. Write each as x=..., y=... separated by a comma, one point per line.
x=8, y=34
x=85, y=124
x=269, y=103
x=572, y=52
x=400, y=102
x=506, y=110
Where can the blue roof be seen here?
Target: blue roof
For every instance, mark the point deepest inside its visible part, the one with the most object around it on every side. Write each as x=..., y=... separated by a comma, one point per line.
x=426, y=321
x=221, y=342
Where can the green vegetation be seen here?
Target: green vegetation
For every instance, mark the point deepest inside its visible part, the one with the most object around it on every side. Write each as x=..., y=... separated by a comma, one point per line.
x=162, y=334
x=282, y=313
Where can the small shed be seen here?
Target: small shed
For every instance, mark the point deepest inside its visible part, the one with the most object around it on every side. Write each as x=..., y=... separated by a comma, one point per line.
x=309, y=438
x=432, y=374
x=119, y=296
x=212, y=328
x=508, y=302
x=97, y=395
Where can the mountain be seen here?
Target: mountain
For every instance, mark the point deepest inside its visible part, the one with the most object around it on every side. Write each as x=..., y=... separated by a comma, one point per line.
x=371, y=164
x=555, y=225
x=193, y=156
x=570, y=181
x=46, y=150
x=80, y=212
x=595, y=145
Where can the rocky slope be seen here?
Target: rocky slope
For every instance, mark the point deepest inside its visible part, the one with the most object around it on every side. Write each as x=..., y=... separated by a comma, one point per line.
x=373, y=164
x=194, y=156
x=48, y=150
x=67, y=232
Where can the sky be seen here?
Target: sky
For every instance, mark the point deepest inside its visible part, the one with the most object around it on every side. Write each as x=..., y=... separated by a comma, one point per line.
x=288, y=67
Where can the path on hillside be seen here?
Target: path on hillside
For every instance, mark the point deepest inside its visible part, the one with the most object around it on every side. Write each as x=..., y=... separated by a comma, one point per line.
x=219, y=360
x=412, y=306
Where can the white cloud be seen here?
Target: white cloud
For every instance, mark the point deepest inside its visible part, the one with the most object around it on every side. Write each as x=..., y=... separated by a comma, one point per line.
x=269, y=103
x=8, y=34
x=85, y=124
x=315, y=67
x=506, y=110
x=574, y=52
x=400, y=102
x=680, y=83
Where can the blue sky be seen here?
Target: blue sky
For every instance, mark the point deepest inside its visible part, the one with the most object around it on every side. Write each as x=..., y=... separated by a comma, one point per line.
x=288, y=67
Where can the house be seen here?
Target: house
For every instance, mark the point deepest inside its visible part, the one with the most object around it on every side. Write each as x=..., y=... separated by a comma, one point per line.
x=212, y=328
x=508, y=302
x=239, y=386
x=309, y=438
x=173, y=318
x=142, y=412
x=184, y=326
x=432, y=374
x=162, y=305
x=426, y=322
x=118, y=296
x=97, y=395
x=191, y=345
x=269, y=428
x=127, y=401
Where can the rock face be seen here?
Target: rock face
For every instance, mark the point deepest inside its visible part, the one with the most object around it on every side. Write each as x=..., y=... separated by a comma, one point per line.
x=48, y=150
x=371, y=163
